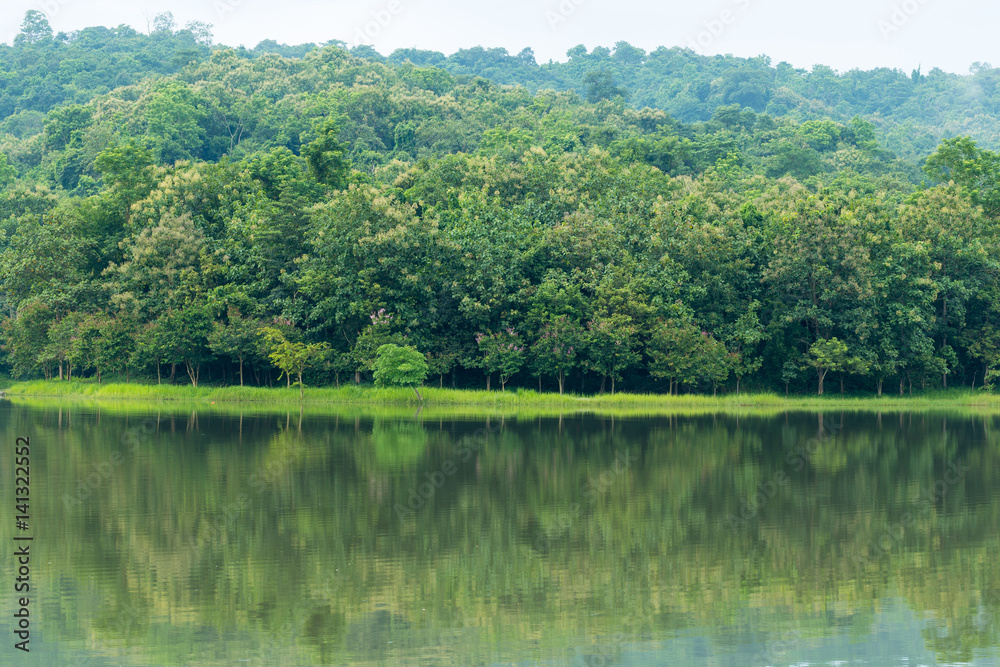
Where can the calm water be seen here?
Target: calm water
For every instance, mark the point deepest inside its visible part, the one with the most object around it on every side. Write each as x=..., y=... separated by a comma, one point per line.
x=200, y=538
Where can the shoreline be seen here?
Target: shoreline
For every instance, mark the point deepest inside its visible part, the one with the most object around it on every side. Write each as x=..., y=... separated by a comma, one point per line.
x=354, y=397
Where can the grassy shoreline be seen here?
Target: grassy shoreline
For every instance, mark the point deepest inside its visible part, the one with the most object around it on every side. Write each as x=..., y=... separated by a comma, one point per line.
x=350, y=395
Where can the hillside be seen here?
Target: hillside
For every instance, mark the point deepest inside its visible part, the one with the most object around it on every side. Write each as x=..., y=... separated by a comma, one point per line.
x=168, y=204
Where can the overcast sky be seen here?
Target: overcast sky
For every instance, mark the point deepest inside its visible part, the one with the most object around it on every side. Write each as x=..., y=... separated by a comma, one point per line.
x=842, y=34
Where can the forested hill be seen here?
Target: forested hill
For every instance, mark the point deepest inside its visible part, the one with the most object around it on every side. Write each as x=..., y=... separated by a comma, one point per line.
x=167, y=202
x=911, y=112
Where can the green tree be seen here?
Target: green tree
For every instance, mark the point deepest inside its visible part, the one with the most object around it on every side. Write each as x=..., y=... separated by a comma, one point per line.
x=557, y=348
x=127, y=173
x=401, y=366
x=35, y=28
x=742, y=340
x=672, y=348
x=959, y=159
x=611, y=347
x=292, y=356
x=236, y=339
x=600, y=85
x=116, y=345
x=379, y=332
x=26, y=337
x=60, y=344
x=7, y=172
x=503, y=353
x=713, y=361
x=162, y=267
x=827, y=355
x=184, y=335
x=174, y=117
x=325, y=155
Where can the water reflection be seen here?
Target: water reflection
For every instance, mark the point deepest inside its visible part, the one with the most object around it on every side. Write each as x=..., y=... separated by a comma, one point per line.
x=192, y=537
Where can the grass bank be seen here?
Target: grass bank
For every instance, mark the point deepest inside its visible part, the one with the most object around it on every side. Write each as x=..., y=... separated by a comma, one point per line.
x=512, y=401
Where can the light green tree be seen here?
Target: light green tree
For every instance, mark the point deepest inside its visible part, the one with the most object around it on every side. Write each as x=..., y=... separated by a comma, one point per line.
x=401, y=366
x=291, y=356
x=831, y=354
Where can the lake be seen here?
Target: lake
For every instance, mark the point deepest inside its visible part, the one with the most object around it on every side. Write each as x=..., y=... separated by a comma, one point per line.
x=240, y=536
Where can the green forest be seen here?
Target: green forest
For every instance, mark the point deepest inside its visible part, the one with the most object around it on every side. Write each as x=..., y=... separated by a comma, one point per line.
x=172, y=210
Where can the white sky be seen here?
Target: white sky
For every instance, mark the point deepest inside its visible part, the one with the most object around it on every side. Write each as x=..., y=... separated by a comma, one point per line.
x=844, y=35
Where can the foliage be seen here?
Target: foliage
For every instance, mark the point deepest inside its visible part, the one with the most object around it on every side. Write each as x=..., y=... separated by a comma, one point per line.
x=292, y=356
x=503, y=353
x=400, y=366
x=164, y=199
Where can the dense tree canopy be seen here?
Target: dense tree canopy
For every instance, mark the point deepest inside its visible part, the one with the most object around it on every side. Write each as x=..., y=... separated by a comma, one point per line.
x=208, y=209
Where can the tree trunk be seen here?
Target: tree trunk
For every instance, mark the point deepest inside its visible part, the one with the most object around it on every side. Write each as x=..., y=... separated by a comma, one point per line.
x=737, y=385
x=900, y=385
x=612, y=385
x=562, y=379
x=822, y=376
x=192, y=371
x=173, y=369
x=503, y=384
x=944, y=342
x=357, y=377
x=157, y=371
x=488, y=378
x=603, y=378
x=878, y=387
x=441, y=381
x=69, y=371
x=60, y=371
x=417, y=392
x=841, y=383
x=301, y=392
x=241, y=371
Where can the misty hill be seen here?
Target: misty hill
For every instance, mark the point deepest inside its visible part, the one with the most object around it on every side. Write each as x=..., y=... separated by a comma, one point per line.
x=911, y=112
